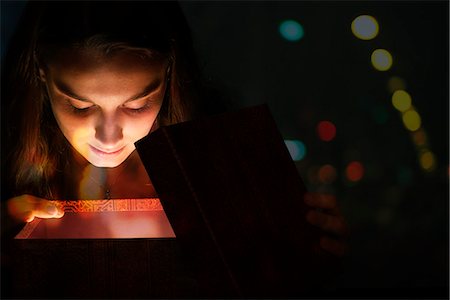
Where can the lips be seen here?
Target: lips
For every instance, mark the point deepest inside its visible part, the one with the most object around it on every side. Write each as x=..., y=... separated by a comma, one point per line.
x=108, y=153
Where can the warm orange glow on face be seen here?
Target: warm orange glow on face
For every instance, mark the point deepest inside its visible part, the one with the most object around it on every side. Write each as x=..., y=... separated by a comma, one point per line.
x=104, y=105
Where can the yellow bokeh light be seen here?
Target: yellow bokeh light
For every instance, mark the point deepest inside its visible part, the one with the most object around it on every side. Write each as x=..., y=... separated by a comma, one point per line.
x=381, y=60
x=427, y=160
x=401, y=100
x=411, y=120
x=365, y=27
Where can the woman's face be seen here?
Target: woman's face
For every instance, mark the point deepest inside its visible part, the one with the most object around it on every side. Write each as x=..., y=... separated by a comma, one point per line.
x=104, y=105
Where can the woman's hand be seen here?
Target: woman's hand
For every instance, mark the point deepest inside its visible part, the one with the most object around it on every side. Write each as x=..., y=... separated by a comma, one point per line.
x=25, y=208
x=327, y=216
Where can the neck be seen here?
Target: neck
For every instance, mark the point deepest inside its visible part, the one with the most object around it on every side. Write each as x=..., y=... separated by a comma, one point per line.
x=91, y=182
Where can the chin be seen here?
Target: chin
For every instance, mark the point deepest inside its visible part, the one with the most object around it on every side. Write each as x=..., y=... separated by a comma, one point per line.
x=107, y=163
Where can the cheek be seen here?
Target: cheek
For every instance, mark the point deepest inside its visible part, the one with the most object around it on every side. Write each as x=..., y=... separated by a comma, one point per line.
x=137, y=128
x=74, y=129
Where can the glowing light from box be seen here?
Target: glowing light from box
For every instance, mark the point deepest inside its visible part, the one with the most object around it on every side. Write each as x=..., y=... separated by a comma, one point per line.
x=327, y=174
x=326, y=131
x=365, y=27
x=396, y=83
x=381, y=60
x=354, y=171
x=291, y=30
x=401, y=100
x=411, y=120
x=88, y=188
x=297, y=149
x=427, y=160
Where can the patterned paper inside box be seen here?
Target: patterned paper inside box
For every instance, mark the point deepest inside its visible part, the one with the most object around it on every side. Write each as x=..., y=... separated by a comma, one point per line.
x=114, y=218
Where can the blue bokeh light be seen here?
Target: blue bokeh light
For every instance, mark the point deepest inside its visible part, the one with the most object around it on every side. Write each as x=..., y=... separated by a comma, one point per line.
x=291, y=30
x=296, y=148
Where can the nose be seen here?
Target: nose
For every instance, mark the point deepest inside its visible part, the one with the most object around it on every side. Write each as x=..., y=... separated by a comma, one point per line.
x=108, y=130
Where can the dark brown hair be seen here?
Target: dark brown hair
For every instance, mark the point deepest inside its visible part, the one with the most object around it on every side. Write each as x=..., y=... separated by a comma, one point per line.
x=35, y=145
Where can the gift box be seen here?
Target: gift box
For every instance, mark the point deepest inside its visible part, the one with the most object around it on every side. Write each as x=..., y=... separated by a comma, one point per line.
x=232, y=215
x=102, y=219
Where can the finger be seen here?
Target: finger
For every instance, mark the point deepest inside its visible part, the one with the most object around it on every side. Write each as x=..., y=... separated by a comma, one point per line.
x=46, y=209
x=29, y=218
x=327, y=222
x=324, y=201
x=21, y=208
x=333, y=246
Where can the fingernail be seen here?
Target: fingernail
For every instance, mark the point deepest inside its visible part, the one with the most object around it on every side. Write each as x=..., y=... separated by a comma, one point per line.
x=51, y=209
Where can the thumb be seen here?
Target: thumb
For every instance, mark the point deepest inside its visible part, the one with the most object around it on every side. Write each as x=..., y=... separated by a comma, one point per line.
x=47, y=209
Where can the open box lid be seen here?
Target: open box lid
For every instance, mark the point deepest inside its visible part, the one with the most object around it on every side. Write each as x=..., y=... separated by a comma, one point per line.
x=234, y=199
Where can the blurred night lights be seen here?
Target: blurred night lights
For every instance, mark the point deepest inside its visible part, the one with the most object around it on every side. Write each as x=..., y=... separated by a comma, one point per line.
x=365, y=27
x=296, y=148
x=419, y=137
x=427, y=161
x=326, y=131
x=411, y=120
x=312, y=174
x=396, y=83
x=291, y=30
x=354, y=171
x=401, y=100
x=381, y=60
x=327, y=174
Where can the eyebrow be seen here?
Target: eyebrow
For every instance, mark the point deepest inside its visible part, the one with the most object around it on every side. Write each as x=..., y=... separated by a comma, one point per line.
x=63, y=88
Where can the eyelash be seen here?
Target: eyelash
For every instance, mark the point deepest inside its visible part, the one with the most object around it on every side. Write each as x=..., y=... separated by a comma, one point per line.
x=140, y=109
x=81, y=111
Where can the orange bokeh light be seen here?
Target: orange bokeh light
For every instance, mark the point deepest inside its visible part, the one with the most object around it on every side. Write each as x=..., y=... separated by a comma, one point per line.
x=327, y=174
x=354, y=171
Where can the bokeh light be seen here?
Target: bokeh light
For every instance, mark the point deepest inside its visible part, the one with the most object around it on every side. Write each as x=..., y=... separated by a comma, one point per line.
x=291, y=30
x=327, y=174
x=401, y=100
x=326, y=131
x=396, y=83
x=354, y=171
x=296, y=148
x=419, y=137
x=312, y=174
x=365, y=27
x=427, y=160
x=381, y=60
x=411, y=120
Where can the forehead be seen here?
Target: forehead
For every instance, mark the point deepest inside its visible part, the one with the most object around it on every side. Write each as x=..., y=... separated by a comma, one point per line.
x=89, y=71
x=81, y=61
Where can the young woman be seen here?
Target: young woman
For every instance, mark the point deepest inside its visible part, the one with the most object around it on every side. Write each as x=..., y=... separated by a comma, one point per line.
x=86, y=81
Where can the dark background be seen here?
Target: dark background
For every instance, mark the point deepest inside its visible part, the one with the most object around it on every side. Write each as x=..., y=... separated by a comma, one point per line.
x=398, y=212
